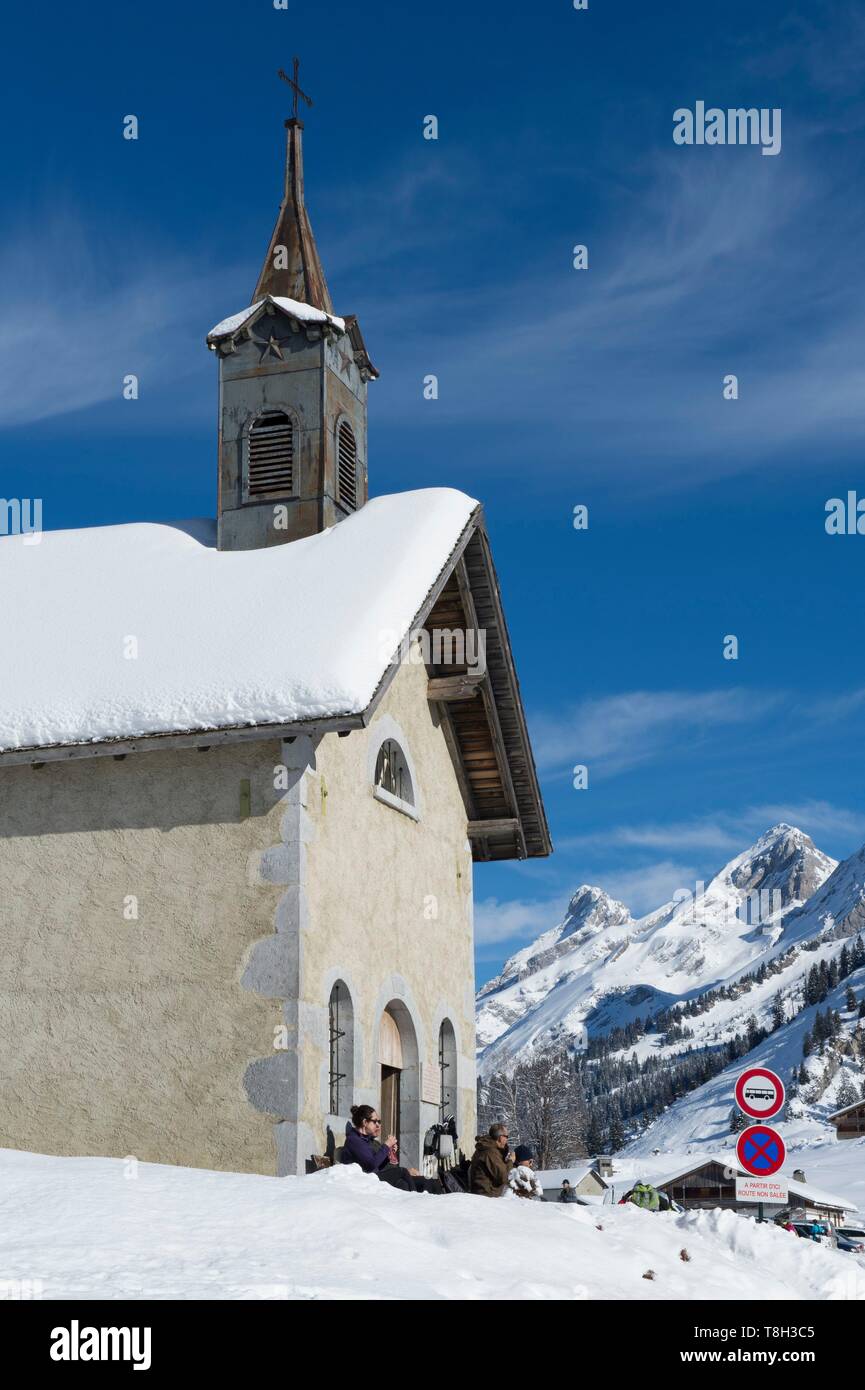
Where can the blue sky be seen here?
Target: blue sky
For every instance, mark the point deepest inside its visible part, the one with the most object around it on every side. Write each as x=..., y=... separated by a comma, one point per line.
x=557, y=387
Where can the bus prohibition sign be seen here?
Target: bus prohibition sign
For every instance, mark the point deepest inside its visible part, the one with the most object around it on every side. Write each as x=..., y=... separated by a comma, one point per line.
x=760, y=1093
x=760, y=1151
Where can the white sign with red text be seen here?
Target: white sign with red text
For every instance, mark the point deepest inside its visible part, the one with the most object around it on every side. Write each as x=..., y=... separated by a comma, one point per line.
x=762, y=1190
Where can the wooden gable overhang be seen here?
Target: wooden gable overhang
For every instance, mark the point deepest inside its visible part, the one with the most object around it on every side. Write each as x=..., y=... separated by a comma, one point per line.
x=481, y=712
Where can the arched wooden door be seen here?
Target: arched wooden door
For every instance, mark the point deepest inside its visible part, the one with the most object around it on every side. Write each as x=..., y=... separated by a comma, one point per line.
x=390, y=1051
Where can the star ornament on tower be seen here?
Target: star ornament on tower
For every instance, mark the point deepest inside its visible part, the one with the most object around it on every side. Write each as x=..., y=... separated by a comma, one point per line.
x=271, y=347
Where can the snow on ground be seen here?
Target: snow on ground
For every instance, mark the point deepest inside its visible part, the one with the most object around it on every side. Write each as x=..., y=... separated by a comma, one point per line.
x=86, y=1230
x=222, y=638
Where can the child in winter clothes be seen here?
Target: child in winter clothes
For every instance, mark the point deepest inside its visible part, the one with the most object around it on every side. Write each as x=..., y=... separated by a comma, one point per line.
x=521, y=1180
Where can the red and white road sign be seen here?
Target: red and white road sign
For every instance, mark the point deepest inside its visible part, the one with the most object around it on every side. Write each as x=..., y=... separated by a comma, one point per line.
x=760, y=1093
x=760, y=1150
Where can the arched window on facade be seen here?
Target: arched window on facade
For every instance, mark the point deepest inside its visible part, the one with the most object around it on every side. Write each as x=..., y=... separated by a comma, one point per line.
x=341, y=1031
x=346, y=466
x=448, y=1069
x=270, y=463
x=392, y=774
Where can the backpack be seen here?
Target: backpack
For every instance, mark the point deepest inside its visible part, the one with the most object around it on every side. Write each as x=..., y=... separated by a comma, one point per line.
x=441, y=1139
x=456, y=1179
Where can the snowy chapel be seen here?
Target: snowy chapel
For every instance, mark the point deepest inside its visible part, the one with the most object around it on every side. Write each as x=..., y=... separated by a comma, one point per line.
x=246, y=767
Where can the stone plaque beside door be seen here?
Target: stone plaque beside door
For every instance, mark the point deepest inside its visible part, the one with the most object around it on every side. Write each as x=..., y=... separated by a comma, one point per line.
x=431, y=1084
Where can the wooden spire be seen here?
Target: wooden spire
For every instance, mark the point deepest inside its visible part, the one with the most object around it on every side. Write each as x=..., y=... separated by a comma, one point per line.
x=292, y=268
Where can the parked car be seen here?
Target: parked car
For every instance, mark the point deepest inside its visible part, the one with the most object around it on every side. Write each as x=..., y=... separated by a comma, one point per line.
x=819, y=1231
x=853, y=1247
x=852, y=1232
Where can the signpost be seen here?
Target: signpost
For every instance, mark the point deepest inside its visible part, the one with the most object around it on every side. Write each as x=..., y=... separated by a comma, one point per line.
x=760, y=1093
x=760, y=1149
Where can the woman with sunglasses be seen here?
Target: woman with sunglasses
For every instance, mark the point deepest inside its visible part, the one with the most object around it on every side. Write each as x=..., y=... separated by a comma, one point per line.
x=363, y=1146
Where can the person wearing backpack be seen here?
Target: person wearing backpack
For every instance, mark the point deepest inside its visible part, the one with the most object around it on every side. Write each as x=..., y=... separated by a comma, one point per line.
x=645, y=1196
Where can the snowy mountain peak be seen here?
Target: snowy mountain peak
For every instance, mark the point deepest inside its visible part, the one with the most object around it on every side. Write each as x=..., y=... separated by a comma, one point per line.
x=785, y=861
x=593, y=909
x=591, y=919
x=599, y=968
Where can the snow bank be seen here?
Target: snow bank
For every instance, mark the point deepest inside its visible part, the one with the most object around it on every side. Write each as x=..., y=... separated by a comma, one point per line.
x=119, y=631
x=85, y=1229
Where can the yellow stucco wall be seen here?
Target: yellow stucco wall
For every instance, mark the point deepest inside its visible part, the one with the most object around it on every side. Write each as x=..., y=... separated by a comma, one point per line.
x=130, y=1036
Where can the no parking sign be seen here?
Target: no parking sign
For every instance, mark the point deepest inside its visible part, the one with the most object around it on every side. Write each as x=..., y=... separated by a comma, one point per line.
x=760, y=1150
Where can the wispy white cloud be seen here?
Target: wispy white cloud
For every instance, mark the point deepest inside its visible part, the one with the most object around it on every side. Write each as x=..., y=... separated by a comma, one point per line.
x=835, y=707
x=82, y=310
x=709, y=835
x=650, y=885
x=816, y=818
x=724, y=833
x=700, y=259
x=691, y=260
x=617, y=732
x=515, y=920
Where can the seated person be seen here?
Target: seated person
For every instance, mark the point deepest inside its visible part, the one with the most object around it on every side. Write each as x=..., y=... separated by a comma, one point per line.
x=491, y=1162
x=364, y=1147
x=522, y=1181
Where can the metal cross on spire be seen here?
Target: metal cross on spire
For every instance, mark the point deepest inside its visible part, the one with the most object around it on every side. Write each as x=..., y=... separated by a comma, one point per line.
x=295, y=86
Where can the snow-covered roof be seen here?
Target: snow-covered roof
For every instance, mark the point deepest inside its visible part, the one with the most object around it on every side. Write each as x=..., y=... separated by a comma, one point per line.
x=854, y=1105
x=554, y=1177
x=117, y=632
x=304, y=313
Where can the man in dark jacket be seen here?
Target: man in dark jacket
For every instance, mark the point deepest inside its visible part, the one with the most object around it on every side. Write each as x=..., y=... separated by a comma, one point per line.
x=491, y=1163
x=567, y=1193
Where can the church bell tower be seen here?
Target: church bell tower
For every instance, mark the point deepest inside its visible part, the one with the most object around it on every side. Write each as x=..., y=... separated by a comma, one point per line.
x=292, y=389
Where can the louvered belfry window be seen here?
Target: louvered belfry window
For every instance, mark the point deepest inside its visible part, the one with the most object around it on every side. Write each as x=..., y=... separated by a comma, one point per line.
x=271, y=455
x=347, y=467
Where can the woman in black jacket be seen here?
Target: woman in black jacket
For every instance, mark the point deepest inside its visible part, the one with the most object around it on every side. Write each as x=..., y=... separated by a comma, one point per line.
x=363, y=1146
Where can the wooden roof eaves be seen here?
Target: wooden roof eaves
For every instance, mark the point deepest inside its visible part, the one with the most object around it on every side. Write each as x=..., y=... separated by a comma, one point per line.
x=488, y=697
x=514, y=684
